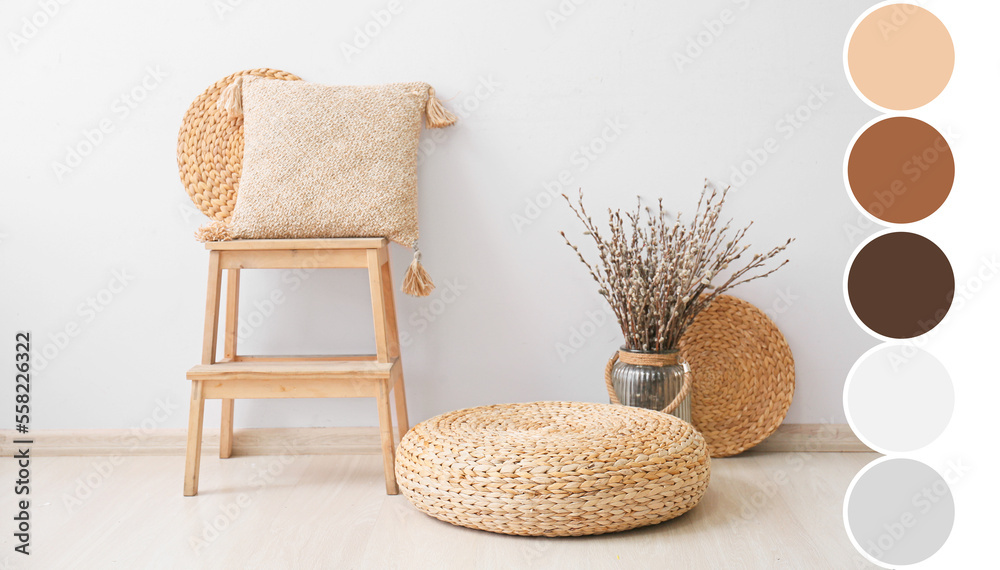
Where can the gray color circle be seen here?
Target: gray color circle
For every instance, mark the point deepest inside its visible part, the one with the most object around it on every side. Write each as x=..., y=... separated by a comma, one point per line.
x=899, y=398
x=900, y=511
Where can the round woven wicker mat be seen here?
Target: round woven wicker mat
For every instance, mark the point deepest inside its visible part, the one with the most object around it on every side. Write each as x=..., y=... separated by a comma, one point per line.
x=210, y=148
x=553, y=468
x=744, y=375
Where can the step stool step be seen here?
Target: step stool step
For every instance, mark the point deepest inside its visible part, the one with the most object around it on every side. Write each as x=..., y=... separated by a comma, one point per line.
x=295, y=370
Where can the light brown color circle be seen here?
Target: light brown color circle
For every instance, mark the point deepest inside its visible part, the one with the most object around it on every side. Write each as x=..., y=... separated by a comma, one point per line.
x=900, y=56
x=901, y=170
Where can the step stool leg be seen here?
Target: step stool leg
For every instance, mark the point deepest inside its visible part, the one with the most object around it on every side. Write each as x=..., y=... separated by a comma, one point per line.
x=232, y=320
x=385, y=431
x=197, y=413
x=193, y=460
x=211, y=336
x=376, y=258
x=400, y=395
x=389, y=307
x=392, y=341
x=226, y=433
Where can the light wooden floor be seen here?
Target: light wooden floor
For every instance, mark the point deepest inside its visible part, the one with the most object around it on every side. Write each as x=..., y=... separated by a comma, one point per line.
x=762, y=510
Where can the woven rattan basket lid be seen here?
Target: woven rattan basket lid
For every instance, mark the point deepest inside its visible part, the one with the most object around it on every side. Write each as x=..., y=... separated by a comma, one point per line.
x=210, y=148
x=744, y=375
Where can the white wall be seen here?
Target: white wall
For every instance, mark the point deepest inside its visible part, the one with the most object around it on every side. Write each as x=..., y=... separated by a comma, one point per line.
x=522, y=293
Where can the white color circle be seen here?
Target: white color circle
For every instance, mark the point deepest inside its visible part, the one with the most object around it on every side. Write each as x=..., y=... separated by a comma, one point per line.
x=898, y=398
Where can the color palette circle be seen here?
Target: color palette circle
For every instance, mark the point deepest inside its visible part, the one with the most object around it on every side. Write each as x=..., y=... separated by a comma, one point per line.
x=899, y=511
x=900, y=285
x=898, y=398
x=900, y=56
x=900, y=170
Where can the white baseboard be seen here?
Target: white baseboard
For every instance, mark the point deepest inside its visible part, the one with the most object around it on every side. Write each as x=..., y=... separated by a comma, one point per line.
x=333, y=441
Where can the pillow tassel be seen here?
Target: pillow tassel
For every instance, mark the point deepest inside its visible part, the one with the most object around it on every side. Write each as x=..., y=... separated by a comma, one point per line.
x=437, y=116
x=231, y=98
x=214, y=231
x=417, y=282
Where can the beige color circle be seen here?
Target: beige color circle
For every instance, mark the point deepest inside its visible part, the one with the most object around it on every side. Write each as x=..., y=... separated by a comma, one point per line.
x=900, y=56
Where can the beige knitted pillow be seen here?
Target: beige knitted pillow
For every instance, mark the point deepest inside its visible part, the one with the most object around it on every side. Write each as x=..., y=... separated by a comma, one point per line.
x=329, y=161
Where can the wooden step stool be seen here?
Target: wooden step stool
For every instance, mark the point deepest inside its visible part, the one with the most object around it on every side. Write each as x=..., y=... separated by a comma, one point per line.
x=240, y=376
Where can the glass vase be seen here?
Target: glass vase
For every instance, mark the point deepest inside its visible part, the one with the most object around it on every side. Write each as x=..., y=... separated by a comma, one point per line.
x=651, y=380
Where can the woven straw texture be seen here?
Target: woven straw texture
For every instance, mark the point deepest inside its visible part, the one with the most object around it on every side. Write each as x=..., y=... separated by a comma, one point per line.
x=553, y=468
x=329, y=161
x=210, y=148
x=744, y=375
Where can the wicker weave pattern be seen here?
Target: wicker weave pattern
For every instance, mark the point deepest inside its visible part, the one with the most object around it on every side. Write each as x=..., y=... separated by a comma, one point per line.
x=553, y=468
x=325, y=161
x=210, y=148
x=744, y=375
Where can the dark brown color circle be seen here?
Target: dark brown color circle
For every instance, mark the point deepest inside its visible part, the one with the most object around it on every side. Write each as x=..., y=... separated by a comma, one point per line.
x=901, y=285
x=901, y=170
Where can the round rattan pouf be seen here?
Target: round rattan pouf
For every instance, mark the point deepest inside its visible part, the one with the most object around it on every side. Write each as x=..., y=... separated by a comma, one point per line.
x=553, y=468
